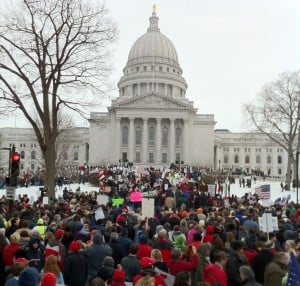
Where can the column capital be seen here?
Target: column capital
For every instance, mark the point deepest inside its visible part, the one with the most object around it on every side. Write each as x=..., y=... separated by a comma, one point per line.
x=145, y=119
x=131, y=119
x=158, y=120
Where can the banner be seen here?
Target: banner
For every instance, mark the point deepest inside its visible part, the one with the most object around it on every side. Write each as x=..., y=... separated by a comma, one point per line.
x=147, y=208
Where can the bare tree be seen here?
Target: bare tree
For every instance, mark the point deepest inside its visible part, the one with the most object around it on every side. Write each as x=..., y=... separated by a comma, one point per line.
x=275, y=113
x=54, y=55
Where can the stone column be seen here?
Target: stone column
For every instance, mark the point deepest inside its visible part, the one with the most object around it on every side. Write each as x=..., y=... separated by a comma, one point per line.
x=131, y=139
x=172, y=140
x=185, y=141
x=158, y=141
x=118, y=138
x=145, y=140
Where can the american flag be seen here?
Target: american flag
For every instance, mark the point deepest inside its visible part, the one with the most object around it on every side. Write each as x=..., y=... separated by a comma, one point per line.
x=294, y=272
x=263, y=192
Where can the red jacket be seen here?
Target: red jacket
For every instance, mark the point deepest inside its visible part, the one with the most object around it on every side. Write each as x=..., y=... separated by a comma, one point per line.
x=179, y=266
x=213, y=273
x=9, y=253
x=144, y=251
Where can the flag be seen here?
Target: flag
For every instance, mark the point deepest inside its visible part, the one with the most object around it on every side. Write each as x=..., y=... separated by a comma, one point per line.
x=263, y=192
x=294, y=272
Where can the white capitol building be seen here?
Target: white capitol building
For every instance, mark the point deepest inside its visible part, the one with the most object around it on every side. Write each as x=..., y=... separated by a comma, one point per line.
x=152, y=122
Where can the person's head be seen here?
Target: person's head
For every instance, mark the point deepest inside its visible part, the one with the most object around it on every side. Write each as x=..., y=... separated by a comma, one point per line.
x=48, y=279
x=97, y=282
x=183, y=279
x=51, y=265
x=97, y=238
x=146, y=281
x=19, y=265
x=289, y=245
x=14, y=238
x=176, y=254
x=28, y=277
x=237, y=246
x=156, y=254
x=246, y=273
x=220, y=257
x=108, y=261
x=133, y=249
x=162, y=234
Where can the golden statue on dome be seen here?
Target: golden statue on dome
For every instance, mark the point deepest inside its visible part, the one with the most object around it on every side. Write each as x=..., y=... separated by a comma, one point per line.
x=154, y=9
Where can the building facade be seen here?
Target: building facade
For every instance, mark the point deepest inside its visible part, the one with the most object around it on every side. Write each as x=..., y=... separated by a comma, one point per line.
x=152, y=121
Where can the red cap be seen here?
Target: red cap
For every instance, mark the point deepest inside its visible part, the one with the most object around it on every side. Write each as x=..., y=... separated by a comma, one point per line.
x=147, y=262
x=22, y=260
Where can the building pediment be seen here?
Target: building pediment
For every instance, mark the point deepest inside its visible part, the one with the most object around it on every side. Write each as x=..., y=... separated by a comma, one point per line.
x=153, y=101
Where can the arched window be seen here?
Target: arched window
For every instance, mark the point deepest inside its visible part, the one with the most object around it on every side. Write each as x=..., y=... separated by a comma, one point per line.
x=257, y=159
x=22, y=154
x=279, y=159
x=32, y=155
x=269, y=159
x=236, y=159
x=225, y=159
x=76, y=156
x=65, y=156
x=138, y=136
x=178, y=138
x=151, y=136
x=125, y=136
x=165, y=136
x=247, y=159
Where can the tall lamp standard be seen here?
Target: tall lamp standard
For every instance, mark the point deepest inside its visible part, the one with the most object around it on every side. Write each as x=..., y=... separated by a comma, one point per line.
x=297, y=170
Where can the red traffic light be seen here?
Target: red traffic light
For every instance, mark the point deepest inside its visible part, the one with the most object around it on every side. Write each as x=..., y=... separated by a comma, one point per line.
x=15, y=157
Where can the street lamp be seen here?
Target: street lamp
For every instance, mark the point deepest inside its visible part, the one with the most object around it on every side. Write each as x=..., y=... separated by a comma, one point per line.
x=297, y=168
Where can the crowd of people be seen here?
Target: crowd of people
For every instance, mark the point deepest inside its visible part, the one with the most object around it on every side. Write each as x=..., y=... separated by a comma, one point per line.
x=194, y=238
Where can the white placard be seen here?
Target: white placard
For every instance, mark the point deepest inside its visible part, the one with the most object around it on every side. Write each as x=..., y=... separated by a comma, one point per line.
x=211, y=190
x=266, y=223
x=11, y=193
x=166, y=187
x=102, y=199
x=99, y=214
x=147, y=207
x=45, y=201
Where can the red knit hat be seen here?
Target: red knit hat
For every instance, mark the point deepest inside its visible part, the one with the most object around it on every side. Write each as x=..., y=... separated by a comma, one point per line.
x=48, y=279
x=75, y=246
x=120, y=219
x=59, y=233
x=119, y=276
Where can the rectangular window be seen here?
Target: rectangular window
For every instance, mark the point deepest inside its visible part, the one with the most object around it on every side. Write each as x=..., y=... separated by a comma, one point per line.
x=124, y=156
x=279, y=171
x=151, y=157
x=160, y=69
x=145, y=68
x=138, y=157
x=164, y=158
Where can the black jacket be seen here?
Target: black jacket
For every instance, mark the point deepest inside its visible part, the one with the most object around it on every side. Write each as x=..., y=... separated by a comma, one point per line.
x=75, y=269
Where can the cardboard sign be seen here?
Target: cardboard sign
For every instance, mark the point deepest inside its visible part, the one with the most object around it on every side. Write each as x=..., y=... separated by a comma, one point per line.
x=102, y=200
x=147, y=207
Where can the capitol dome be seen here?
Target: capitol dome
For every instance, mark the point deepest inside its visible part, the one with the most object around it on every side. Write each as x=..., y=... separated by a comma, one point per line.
x=153, y=45
x=152, y=65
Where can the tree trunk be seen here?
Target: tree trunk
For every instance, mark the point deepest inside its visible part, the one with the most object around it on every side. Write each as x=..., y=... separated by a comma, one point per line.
x=288, y=174
x=49, y=156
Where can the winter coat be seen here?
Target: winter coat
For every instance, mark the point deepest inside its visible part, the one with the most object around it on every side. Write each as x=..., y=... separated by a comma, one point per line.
x=259, y=263
x=178, y=266
x=232, y=268
x=274, y=273
x=75, y=269
x=213, y=273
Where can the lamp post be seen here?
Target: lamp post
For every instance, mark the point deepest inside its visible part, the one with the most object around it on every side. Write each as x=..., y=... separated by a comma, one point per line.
x=297, y=176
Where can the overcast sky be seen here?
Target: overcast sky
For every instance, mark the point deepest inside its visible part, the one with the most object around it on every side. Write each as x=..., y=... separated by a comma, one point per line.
x=228, y=49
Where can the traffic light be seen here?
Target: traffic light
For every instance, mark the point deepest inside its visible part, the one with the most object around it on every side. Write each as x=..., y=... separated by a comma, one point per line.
x=15, y=164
